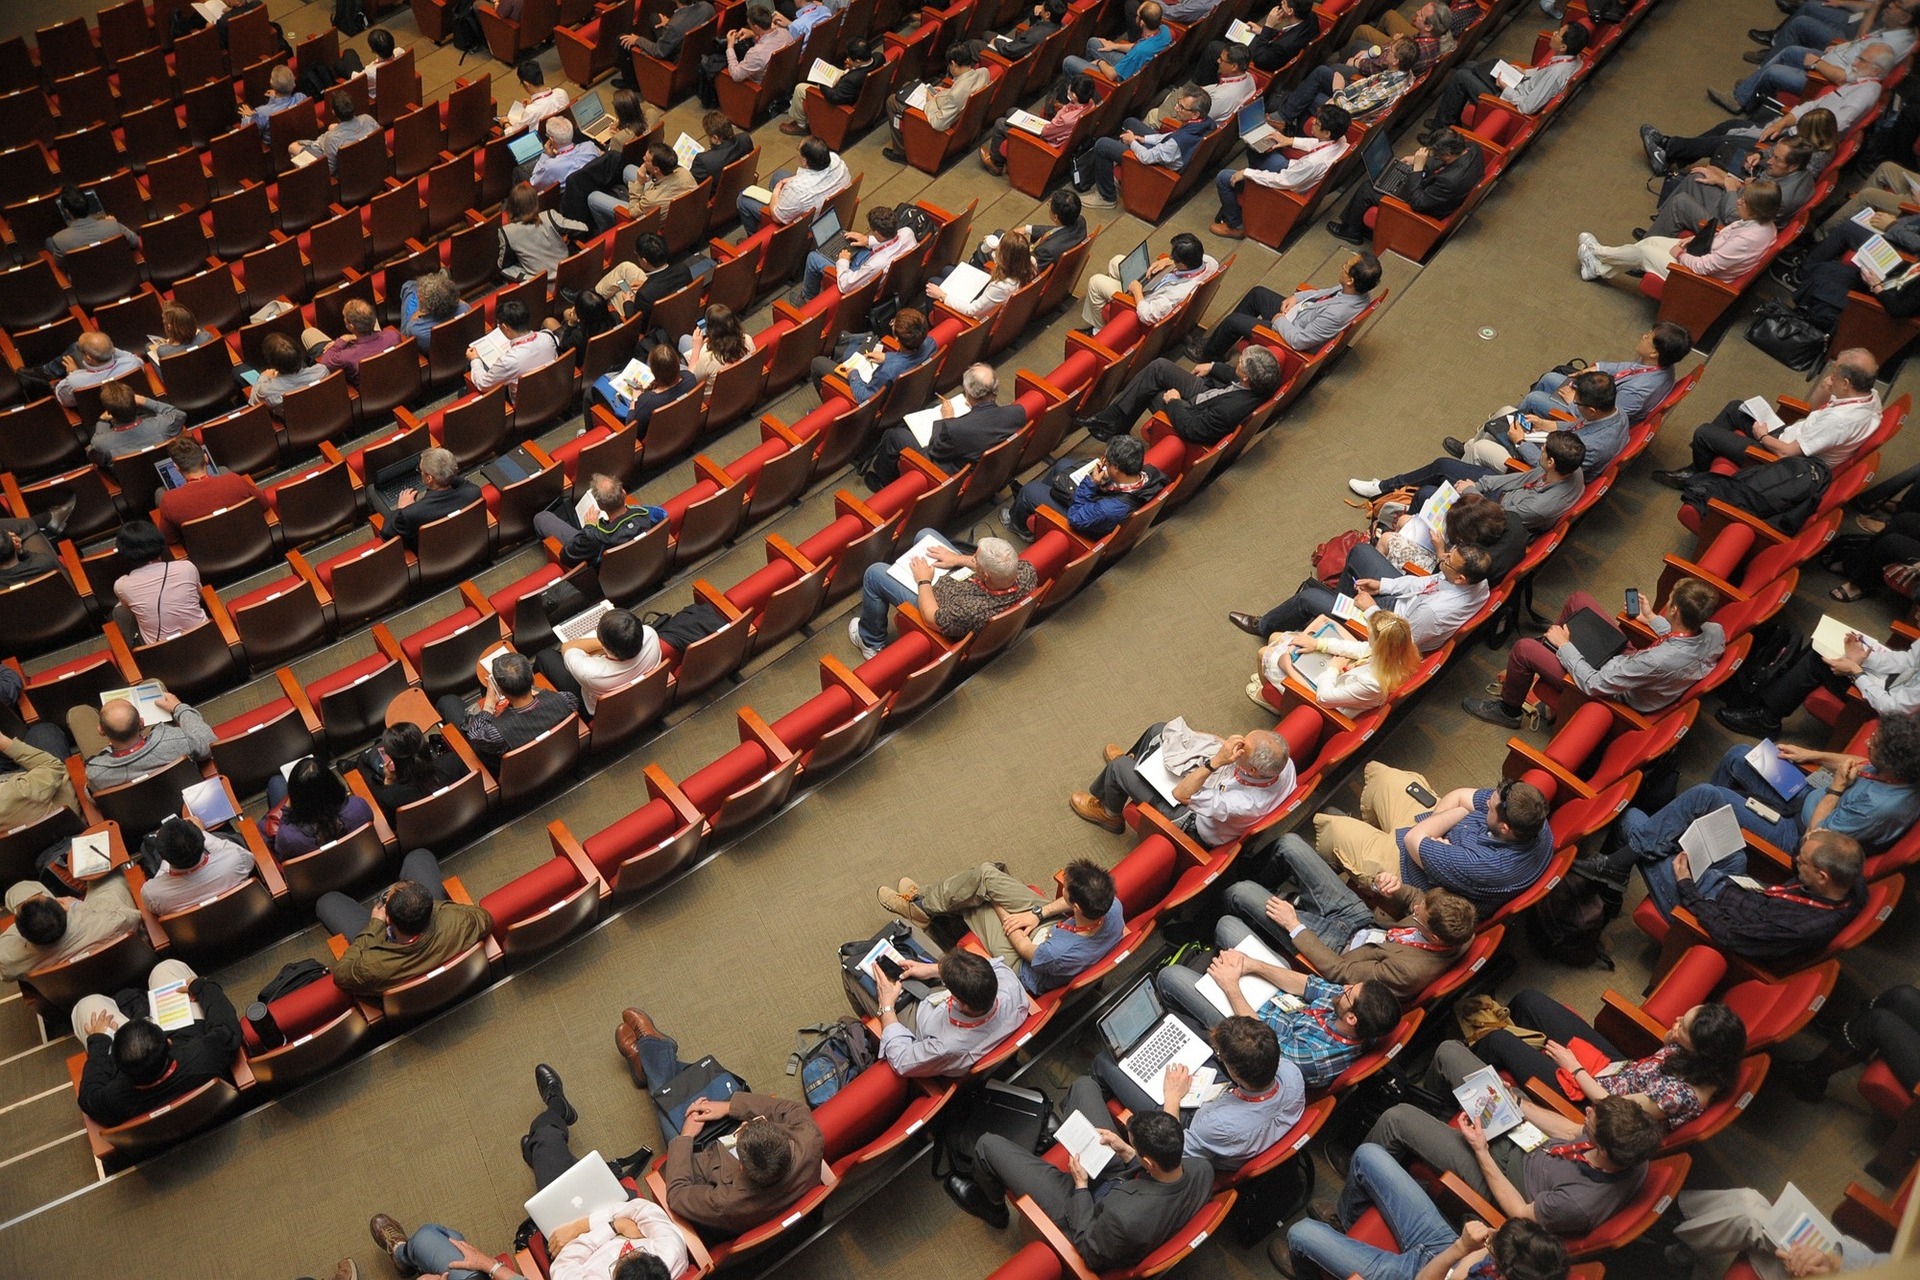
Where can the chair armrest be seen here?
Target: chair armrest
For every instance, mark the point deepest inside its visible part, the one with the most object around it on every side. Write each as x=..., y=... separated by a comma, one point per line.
x=217, y=612
x=358, y=785
x=1552, y=1099
x=835, y=673
x=1771, y=852
x=663, y=788
x=778, y=548
x=755, y=729
x=1525, y=755
x=263, y=860
x=384, y=641
x=707, y=593
x=1471, y=1201
x=1056, y=1239
x=461, y=747
x=1631, y=1028
x=1154, y=822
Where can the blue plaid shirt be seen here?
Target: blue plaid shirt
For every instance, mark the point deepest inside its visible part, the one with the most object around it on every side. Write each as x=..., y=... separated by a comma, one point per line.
x=1307, y=1037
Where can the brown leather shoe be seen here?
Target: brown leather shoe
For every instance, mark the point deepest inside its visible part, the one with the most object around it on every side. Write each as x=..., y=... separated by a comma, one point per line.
x=904, y=906
x=1226, y=231
x=1113, y=751
x=346, y=1269
x=793, y=130
x=993, y=166
x=1247, y=622
x=1085, y=806
x=626, y=1038
x=389, y=1235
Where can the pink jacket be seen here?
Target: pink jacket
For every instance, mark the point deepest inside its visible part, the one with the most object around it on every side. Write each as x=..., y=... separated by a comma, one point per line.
x=1737, y=248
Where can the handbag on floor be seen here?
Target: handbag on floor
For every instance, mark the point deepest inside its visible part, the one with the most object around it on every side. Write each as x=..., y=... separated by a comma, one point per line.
x=1788, y=336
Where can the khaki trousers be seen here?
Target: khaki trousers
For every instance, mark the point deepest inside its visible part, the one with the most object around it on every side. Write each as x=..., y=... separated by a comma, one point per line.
x=1364, y=847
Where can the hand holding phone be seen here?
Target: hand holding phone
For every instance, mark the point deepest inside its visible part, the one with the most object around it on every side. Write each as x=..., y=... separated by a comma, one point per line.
x=1633, y=602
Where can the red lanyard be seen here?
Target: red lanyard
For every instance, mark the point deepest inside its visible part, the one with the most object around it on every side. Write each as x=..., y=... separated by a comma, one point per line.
x=1244, y=1096
x=1319, y=1015
x=1575, y=1151
x=979, y=1021
x=1245, y=781
x=1412, y=937
x=1785, y=893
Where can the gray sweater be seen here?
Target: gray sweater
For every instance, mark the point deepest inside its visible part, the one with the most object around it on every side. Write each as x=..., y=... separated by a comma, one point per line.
x=188, y=735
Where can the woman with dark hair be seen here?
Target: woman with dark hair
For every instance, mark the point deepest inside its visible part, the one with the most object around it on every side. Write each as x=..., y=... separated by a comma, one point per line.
x=158, y=595
x=589, y=315
x=406, y=765
x=317, y=811
x=720, y=340
x=1699, y=1061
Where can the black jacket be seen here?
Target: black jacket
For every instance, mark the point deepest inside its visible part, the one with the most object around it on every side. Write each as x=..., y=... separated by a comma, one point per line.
x=964, y=439
x=1024, y=41
x=710, y=162
x=430, y=505
x=201, y=1052
x=668, y=280
x=646, y=402
x=588, y=545
x=845, y=91
x=1212, y=416
x=1057, y=240
x=1272, y=50
x=1442, y=189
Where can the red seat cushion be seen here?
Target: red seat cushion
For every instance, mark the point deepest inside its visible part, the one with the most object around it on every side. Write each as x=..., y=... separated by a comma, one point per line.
x=862, y=1110
x=567, y=453
x=887, y=670
x=709, y=787
x=1881, y=1088
x=804, y=726
x=1582, y=734
x=645, y=827
x=1142, y=878
x=1048, y=554
x=301, y=1011
x=747, y=465
x=353, y=673
x=1075, y=371
x=529, y=894
x=751, y=593
x=414, y=645
x=1301, y=729
x=1651, y=922
x=247, y=721
x=260, y=595
x=898, y=496
x=324, y=570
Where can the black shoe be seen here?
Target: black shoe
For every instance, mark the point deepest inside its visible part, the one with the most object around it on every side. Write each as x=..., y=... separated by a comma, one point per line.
x=1654, y=143
x=1676, y=479
x=967, y=1193
x=1492, y=710
x=1097, y=427
x=1247, y=622
x=898, y=157
x=1341, y=231
x=553, y=1093
x=1725, y=102
x=1455, y=446
x=1802, y=1082
x=1755, y=722
x=1679, y=1259
x=1756, y=56
x=53, y=522
x=1639, y=233
x=1195, y=348
x=634, y=1165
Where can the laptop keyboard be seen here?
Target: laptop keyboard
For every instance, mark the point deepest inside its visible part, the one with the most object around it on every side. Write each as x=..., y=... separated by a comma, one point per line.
x=1156, y=1051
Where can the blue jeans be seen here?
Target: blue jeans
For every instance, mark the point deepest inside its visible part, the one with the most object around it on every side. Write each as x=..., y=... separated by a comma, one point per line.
x=1376, y=1178
x=277, y=786
x=1326, y=905
x=1782, y=73
x=881, y=593
x=1663, y=887
x=605, y=206
x=1107, y=153
x=752, y=212
x=1080, y=66
x=816, y=272
x=660, y=1061
x=1272, y=162
x=431, y=1249
x=1815, y=26
x=1179, y=986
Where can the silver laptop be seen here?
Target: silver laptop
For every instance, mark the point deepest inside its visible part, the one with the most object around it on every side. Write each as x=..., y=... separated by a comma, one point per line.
x=582, y=1190
x=591, y=120
x=1254, y=130
x=525, y=146
x=1134, y=269
x=826, y=232
x=1146, y=1039
x=582, y=625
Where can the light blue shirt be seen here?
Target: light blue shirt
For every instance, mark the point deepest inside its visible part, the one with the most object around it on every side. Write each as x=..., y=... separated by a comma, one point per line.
x=1232, y=1129
x=263, y=115
x=552, y=170
x=1064, y=954
x=1872, y=811
x=809, y=17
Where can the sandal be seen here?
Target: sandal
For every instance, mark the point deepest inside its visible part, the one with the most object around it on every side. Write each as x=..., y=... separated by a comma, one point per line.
x=1846, y=593
x=1871, y=525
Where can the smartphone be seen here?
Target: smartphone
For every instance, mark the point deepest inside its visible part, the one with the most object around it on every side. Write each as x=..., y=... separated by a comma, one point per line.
x=889, y=966
x=1423, y=795
x=1763, y=810
x=1633, y=602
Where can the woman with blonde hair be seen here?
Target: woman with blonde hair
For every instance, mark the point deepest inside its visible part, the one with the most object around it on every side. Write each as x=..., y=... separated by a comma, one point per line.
x=1363, y=673
x=1013, y=268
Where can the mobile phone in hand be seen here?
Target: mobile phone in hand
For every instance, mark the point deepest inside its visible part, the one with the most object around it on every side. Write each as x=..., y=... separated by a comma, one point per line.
x=1633, y=602
x=1423, y=795
x=889, y=966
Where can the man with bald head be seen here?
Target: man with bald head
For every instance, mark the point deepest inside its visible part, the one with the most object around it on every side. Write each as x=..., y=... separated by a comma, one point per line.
x=1223, y=786
x=1846, y=410
x=134, y=749
x=90, y=361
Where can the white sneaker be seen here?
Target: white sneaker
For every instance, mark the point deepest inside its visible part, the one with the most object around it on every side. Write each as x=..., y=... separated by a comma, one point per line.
x=853, y=634
x=1590, y=268
x=1094, y=200
x=1364, y=488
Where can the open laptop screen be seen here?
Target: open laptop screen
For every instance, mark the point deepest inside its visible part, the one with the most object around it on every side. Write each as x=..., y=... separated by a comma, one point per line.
x=826, y=230
x=1135, y=267
x=1132, y=1018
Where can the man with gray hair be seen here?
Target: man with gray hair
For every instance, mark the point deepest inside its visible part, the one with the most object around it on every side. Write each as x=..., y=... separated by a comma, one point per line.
x=953, y=604
x=1204, y=406
x=444, y=491
x=562, y=155
x=1845, y=411
x=1221, y=787
x=963, y=432
x=282, y=93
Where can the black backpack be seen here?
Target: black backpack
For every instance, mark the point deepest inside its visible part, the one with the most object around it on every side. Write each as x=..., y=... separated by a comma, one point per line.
x=468, y=36
x=350, y=17
x=1783, y=493
x=1569, y=924
x=912, y=215
x=828, y=1055
x=1777, y=649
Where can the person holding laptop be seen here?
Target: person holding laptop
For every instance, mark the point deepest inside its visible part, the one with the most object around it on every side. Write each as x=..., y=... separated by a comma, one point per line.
x=1216, y=788
x=859, y=258
x=1322, y=147
x=621, y=1237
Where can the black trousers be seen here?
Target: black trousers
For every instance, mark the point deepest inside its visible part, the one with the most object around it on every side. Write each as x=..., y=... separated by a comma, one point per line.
x=1892, y=1029
x=1542, y=1013
x=1729, y=435
x=545, y=1150
x=1787, y=690
x=1898, y=543
x=1258, y=306
x=1462, y=87
x=1144, y=388
x=1719, y=141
